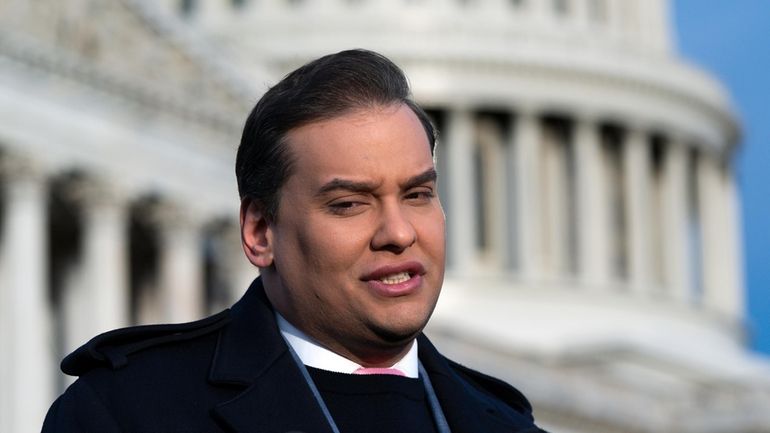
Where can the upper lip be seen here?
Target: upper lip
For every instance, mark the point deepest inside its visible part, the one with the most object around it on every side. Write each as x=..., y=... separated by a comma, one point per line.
x=412, y=267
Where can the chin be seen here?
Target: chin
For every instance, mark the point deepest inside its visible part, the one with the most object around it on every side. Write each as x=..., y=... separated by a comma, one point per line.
x=398, y=335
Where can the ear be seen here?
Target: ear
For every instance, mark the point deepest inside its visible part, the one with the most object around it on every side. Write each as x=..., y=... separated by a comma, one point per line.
x=256, y=234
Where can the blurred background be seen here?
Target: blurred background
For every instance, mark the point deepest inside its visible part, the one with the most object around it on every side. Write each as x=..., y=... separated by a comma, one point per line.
x=603, y=166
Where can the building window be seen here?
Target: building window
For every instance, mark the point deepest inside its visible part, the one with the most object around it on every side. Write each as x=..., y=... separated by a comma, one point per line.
x=480, y=200
x=695, y=228
x=612, y=139
x=558, y=205
x=187, y=7
x=561, y=7
x=658, y=198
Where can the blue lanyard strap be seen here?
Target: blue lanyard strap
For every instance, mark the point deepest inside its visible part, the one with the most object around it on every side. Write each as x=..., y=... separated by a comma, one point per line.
x=438, y=414
x=314, y=390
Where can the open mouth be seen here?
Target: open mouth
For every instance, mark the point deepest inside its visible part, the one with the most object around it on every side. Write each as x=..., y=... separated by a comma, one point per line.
x=395, y=278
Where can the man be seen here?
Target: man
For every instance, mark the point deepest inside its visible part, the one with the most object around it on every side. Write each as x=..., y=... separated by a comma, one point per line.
x=340, y=214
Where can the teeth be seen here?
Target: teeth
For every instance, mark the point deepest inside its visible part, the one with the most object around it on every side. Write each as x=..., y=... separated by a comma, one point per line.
x=396, y=278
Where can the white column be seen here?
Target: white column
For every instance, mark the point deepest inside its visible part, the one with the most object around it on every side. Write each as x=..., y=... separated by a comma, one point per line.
x=495, y=6
x=655, y=25
x=676, y=261
x=719, y=292
x=615, y=19
x=75, y=310
x=170, y=7
x=95, y=295
x=733, y=241
x=541, y=12
x=181, y=270
x=266, y=6
x=461, y=217
x=323, y=7
x=593, y=213
x=638, y=208
x=581, y=14
x=6, y=340
x=240, y=271
x=526, y=158
x=29, y=365
x=232, y=272
x=105, y=258
x=215, y=9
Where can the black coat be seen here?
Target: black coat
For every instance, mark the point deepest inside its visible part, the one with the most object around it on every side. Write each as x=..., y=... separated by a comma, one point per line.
x=232, y=372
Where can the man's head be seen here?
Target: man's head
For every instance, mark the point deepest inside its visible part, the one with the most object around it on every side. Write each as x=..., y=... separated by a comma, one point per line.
x=325, y=88
x=350, y=241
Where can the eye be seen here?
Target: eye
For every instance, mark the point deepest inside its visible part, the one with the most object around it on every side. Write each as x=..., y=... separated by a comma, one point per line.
x=420, y=195
x=346, y=207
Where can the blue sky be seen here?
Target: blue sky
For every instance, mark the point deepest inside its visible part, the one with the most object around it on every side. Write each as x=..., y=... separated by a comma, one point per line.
x=731, y=39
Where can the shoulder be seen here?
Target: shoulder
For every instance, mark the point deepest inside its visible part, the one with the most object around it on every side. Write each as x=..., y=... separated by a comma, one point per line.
x=493, y=393
x=79, y=409
x=113, y=349
x=493, y=388
x=139, y=379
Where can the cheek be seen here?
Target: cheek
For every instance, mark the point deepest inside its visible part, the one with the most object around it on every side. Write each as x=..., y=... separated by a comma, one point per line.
x=433, y=234
x=331, y=247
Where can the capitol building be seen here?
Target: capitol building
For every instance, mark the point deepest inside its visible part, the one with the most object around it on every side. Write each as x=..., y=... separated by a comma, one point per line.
x=586, y=171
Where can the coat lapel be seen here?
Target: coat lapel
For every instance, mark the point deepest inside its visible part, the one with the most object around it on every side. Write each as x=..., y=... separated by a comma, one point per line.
x=274, y=398
x=251, y=353
x=467, y=409
x=277, y=402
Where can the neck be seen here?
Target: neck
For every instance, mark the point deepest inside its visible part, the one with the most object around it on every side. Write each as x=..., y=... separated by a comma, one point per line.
x=371, y=358
x=371, y=355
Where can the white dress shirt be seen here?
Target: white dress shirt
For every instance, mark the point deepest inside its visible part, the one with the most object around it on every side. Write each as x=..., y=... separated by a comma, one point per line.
x=314, y=355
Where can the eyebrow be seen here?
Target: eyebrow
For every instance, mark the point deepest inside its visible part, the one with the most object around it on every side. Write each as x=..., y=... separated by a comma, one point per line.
x=346, y=185
x=427, y=176
x=353, y=186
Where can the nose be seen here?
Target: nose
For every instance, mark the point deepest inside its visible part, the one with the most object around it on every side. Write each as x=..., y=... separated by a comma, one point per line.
x=395, y=232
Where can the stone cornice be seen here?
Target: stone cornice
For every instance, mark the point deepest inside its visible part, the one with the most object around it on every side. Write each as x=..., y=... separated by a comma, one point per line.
x=28, y=54
x=182, y=39
x=661, y=93
x=209, y=94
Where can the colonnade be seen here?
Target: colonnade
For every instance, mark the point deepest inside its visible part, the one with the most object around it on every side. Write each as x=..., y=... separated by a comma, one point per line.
x=601, y=205
x=546, y=200
x=53, y=298
x=27, y=364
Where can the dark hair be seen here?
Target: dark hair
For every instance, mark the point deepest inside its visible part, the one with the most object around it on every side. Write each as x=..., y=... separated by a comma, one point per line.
x=329, y=87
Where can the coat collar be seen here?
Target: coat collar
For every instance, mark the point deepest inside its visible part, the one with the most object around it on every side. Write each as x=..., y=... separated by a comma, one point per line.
x=467, y=409
x=251, y=353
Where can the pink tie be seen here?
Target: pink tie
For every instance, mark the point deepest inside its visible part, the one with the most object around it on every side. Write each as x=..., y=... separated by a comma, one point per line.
x=391, y=371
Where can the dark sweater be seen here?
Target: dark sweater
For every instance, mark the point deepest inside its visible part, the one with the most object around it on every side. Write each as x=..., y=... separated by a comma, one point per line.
x=375, y=403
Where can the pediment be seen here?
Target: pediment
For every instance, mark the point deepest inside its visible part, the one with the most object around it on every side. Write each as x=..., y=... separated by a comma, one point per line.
x=125, y=48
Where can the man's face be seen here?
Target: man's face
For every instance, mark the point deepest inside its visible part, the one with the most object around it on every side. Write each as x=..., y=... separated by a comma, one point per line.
x=358, y=241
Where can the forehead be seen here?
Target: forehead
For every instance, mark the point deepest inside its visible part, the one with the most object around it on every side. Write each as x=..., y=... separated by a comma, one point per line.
x=369, y=140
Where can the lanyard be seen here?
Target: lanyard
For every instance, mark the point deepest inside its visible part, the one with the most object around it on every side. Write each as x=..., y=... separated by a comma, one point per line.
x=438, y=414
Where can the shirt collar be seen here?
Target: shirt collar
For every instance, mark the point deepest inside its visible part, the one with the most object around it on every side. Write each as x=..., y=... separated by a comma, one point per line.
x=314, y=355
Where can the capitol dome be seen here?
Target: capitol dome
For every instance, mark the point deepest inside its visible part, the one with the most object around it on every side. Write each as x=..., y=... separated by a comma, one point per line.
x=575, y=143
